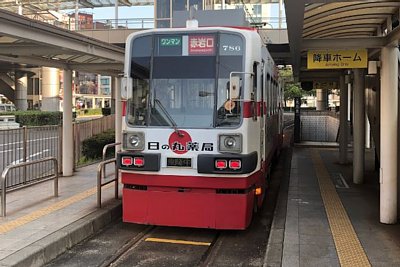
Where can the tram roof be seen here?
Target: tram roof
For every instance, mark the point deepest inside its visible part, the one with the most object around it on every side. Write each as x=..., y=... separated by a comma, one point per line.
x=335, y=24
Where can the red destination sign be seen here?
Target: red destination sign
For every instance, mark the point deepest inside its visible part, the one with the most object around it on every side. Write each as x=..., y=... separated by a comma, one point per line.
x=201, y=45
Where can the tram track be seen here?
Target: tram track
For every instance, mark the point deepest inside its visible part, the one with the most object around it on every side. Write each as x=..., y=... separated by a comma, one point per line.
x=132, y=251
x=128, y=246
x=211, y=251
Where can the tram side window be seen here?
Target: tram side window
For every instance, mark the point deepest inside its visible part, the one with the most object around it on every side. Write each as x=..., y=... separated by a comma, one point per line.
x=262, y=106
x=273, y=97
x=268, y=95
x=254, y=93
x=276, y=97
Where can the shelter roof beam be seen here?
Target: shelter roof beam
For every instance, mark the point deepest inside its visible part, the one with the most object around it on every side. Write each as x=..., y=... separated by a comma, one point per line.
x=295, y=18
x=29, y=50
x=20, y=27
x=348, y=43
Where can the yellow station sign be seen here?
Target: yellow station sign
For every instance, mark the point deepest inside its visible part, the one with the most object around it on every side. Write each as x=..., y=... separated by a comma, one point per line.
x=337, y=59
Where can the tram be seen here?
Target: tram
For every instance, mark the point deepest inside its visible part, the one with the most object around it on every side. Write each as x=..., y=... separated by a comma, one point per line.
x=202, y=121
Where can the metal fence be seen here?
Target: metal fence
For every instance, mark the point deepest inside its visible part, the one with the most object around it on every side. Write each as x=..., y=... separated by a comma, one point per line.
x=86, y=129
x=31, y=143
x=27, y=144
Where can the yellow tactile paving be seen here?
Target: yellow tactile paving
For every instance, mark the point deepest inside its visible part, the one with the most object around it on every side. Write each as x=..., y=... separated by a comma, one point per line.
x=6, y=227
x=348, y=247
x=174, y=241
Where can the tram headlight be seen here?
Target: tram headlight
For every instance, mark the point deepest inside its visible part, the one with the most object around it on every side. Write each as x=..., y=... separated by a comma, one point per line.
x=133, y=140
x=230, y=143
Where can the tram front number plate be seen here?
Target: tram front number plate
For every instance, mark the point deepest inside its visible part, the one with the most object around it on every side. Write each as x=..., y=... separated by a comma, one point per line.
x=179, y=162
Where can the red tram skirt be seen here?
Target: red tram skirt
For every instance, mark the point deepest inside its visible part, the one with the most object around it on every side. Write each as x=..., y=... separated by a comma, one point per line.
x=147, y=199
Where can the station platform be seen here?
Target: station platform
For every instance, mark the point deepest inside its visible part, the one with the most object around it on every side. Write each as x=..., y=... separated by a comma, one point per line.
x=323, y=219
x=39, y=226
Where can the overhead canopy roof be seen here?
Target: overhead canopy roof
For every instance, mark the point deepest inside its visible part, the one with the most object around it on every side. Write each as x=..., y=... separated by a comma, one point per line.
x=30, y=43
x=340, y=25
x=43, y=5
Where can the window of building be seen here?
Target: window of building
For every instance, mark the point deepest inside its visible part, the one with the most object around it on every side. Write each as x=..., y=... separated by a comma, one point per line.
x=163, y=9
x=198, y=4
x=257, y=10
x=179, y=5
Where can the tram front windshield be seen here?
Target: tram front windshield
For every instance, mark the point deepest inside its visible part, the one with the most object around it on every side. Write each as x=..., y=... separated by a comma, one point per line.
x=182, y=80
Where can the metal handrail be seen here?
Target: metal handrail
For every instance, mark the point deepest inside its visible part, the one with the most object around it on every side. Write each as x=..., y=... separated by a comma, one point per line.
x=24, y=164
x=105, y=152
x=107, y=147
x=100, y=171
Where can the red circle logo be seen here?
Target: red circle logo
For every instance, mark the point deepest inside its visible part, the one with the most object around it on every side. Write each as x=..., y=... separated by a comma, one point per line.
x=178, y=142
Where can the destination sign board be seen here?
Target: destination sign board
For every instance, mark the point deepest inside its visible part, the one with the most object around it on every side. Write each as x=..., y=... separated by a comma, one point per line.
x=201, y=45
x=337, y=59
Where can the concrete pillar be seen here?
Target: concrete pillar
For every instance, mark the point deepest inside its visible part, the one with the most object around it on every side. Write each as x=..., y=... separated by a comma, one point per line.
x=113, y=89
x=21, y=91
x=280, y=13
x=68, y=140
x=388, y=131
x=359, y=127
x=349, y=94
x=343, y=141
x=50, y=89
x=367, y=132
x=77, y=15
x=116, y=14
x=322, y=96
x=75, y=79
x=118, y=112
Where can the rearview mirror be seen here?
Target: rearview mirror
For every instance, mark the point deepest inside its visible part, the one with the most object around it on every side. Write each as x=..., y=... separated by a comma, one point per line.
x=234, y=87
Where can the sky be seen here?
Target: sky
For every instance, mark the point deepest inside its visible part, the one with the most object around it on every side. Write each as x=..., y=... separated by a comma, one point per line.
x=123, y=12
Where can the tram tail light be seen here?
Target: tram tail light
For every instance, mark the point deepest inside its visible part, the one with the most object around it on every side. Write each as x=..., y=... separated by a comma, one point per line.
x=127, y=161
x=235, y=164
x=138, y=161
x=221, y=164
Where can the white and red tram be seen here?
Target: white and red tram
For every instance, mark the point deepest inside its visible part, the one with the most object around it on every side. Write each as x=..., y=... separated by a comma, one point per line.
x=202, y=122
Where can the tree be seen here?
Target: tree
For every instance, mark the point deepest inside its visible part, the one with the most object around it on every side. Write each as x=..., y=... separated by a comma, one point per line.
x=292, y=89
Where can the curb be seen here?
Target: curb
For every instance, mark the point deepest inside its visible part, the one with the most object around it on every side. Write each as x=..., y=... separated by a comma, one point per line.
x=274, y=251
x=48, y=248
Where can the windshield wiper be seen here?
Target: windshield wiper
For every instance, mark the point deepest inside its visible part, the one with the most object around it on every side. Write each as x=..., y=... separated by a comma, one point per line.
x=171, y=120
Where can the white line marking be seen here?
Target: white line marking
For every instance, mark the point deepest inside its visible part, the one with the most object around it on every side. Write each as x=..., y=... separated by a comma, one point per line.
x=32, y=140
x=31, y=156
x=343, y=180
x=10, y=150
